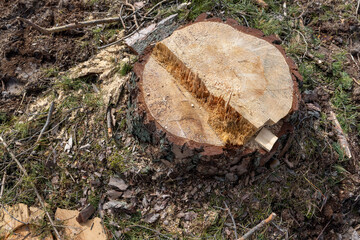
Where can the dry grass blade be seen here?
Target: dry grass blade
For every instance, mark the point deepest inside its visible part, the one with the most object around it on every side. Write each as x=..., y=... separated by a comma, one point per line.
x=51, y=110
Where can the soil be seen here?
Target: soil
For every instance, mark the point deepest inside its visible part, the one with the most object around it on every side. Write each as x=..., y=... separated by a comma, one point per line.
x=301, y=185
x=26, y=54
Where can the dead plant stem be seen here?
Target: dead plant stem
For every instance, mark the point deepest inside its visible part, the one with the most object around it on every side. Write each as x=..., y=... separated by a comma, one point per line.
x=48, y=119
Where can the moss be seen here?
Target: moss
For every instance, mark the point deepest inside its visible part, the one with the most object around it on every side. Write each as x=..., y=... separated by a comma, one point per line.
x=199, y=6
x=116, y=162
x=22, y=128
x=3, y=117
x=51, y=72
x=93, y=100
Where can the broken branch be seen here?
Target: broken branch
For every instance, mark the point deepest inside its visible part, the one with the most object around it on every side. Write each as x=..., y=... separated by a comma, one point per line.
x=69, y=26
x=155, y=6
x=2, y=185
x=120, y=16
x=134, y=11
x=232, y=219
x=257, y=227
x=32, y=185
x=121, y=39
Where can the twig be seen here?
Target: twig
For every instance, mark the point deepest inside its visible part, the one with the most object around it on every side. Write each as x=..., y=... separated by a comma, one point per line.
x=120, y=16
x=232, y=219
x=257, y=227
x=357, y=7
x=315, y=187
x=2, y=85
x=13, y=216
x=2, y=185
x=51, y=110
x=352, y=57
x=322, y=231
x=32, y=185
x=287, y=145
x=121, y=39
x=358, y=83
x=134, y=10
x=286, y=233
x=22, y=100
x=109, y=121
x=340, y=134
x=69, y=26
x=306, y=44
x=159, y=233
x=318, y=62
x=155, y=6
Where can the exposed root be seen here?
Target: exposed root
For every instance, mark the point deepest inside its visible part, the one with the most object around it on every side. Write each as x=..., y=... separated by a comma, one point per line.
x=228, y=124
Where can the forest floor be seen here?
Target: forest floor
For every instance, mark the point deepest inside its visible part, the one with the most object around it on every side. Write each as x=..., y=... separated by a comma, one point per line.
x=313, y=187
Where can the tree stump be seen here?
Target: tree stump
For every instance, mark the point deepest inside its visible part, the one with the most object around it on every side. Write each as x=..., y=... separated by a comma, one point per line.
x=212, y=88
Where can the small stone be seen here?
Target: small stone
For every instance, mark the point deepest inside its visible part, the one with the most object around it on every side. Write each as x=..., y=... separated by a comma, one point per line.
x=231, y=177
x=189, y=216
x=114, y=204
x=95, y=183
x=128, y=194
x=151, y=218
x=118, y=183
x=112, y=194
x=274, y=164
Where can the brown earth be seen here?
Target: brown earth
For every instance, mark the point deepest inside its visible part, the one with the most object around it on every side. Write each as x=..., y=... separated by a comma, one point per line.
x=26, y=55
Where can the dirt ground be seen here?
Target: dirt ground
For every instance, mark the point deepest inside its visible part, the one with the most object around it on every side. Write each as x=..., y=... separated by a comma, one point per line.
x=312, y=187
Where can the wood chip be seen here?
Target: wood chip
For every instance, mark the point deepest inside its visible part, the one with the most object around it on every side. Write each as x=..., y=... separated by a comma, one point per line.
x=266, y=139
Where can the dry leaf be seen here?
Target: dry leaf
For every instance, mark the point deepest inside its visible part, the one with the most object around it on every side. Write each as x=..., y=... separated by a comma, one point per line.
x=91, y=229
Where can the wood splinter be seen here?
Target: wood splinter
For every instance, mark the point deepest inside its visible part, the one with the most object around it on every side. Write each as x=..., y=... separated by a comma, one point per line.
x=340, y=134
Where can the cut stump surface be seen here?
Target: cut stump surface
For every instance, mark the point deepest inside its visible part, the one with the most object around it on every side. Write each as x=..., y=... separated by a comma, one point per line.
x=216, y=84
